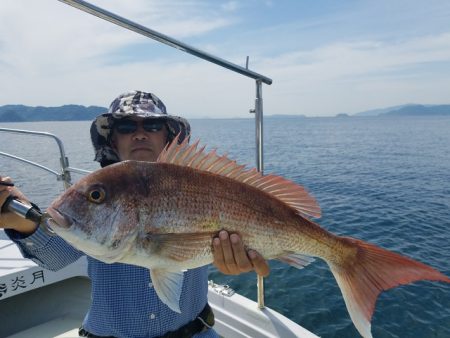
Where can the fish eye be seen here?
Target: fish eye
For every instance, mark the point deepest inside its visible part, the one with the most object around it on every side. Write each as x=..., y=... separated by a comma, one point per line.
x=97, y=195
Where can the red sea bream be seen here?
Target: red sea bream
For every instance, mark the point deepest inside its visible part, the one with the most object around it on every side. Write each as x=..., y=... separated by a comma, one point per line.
x=164, y=215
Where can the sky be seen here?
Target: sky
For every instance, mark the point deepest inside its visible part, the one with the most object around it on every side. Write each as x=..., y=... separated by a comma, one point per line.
x=325, y=57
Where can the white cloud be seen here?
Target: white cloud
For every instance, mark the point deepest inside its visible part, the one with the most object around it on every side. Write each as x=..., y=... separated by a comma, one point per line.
x=352, y=76
x=49, y=36
x=230, y=6
x=50, y=47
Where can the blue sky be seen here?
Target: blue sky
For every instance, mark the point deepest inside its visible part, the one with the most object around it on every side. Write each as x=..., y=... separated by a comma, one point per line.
x=325, y=57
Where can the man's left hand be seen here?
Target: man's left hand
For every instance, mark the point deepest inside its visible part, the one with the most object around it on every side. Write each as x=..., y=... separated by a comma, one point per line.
x=231, y=258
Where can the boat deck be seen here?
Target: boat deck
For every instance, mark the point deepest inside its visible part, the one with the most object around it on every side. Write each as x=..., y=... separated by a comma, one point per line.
x=19, y=275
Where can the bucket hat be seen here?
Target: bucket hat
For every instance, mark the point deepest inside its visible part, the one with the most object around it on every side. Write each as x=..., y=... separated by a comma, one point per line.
x=133, y=103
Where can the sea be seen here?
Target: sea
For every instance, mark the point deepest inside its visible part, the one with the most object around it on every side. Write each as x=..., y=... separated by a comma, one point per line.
x=385, y=180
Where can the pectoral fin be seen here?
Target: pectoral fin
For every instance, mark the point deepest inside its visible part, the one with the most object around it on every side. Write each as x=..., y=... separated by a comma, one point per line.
x=181, y=247
x=168, y=285
x=298, y=261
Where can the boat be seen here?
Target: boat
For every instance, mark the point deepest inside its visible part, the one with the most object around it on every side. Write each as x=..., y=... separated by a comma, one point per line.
x=35, y=302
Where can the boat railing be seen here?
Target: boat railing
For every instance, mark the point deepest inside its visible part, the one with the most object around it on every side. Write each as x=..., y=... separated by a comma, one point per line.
x=64, y=174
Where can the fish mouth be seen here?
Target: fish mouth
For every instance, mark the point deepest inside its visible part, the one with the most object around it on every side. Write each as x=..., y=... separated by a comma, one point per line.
x=61, y=219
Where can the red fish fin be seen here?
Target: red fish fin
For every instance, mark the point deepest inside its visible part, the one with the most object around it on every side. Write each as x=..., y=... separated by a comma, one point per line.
x=290, y=193
x=298, y=261
x=287, y=191
x=372, y=270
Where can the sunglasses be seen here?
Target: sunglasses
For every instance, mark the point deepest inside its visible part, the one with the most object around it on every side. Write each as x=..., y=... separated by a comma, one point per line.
x=130, y=126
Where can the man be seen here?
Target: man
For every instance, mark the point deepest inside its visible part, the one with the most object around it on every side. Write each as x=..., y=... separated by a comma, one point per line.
x=124, y=303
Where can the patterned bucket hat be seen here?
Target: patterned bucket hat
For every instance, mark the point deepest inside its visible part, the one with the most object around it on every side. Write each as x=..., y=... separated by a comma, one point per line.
x=134, y=103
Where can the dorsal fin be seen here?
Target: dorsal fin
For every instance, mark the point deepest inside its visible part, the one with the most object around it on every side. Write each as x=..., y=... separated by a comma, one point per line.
x=287, y=191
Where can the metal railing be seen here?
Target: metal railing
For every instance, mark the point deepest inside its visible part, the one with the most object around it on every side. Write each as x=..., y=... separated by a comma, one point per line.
x=167, y=40
x=64, y=174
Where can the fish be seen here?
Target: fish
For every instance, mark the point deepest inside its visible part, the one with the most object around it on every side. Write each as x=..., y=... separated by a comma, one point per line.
x=164, y=215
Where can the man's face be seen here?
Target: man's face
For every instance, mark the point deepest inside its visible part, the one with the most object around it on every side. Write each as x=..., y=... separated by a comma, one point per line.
x=139, y=145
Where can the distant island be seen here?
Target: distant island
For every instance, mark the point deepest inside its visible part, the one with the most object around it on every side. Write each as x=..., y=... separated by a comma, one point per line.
x=409, y=110
x=71, y=112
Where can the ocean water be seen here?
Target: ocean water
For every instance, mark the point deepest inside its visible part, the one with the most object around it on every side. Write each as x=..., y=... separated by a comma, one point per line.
x=383, y=180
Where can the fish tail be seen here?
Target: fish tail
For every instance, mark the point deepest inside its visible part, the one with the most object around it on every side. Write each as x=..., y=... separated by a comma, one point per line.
x=366, y=270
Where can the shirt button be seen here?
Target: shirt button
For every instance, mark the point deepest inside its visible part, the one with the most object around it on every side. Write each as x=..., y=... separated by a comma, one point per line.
x=150, y=285
x=28, y=243
x=152, y=316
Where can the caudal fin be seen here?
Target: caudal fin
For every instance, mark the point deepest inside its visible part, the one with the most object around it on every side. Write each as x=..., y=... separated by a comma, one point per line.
x=363, y=276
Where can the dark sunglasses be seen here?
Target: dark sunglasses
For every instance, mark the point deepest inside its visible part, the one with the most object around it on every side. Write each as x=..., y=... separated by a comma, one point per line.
x=129, y=126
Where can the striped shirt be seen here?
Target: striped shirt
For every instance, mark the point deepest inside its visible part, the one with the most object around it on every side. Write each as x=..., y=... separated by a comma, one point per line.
x=124, y=302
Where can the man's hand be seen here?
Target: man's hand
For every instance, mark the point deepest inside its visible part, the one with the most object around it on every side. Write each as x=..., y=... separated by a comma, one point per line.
x=231, y=258
x=10, y=220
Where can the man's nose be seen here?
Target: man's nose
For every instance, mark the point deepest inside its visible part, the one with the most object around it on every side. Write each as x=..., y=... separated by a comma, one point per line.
x=140, y=133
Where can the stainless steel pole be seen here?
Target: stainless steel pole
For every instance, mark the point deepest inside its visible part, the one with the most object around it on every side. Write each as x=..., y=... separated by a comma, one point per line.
x=135, y=27
x=259, y=127
x=259, y=164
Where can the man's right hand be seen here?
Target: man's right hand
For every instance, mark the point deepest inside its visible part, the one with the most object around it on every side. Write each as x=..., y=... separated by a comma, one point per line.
x=9, y=220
